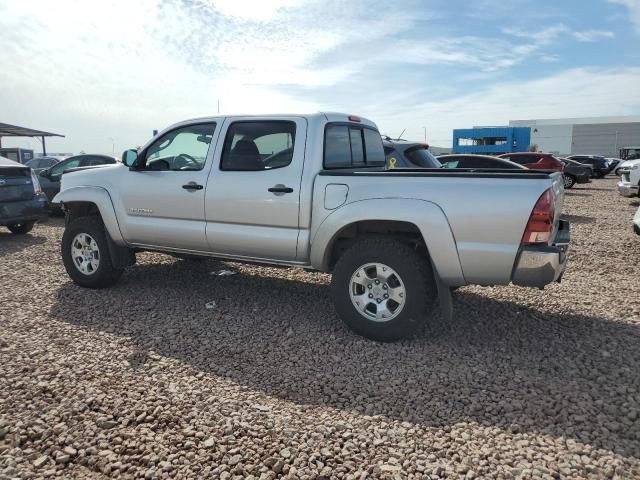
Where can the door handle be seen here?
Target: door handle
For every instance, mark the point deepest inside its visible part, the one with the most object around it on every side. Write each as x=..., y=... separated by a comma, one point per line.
x=192, y=186
x=281, y=189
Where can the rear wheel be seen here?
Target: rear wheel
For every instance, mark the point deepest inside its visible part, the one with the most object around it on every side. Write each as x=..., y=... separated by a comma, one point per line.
x=21, y=228
x=383, y=289
x=569, y=181
x=86, y=256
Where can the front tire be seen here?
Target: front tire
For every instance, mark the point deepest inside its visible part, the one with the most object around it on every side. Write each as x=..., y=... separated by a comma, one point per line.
x=21, y=228
x=383, y=289
x=569, y=181
x=86, y=255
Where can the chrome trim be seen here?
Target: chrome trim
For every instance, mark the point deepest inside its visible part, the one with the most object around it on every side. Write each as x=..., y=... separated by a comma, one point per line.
x=627, y=189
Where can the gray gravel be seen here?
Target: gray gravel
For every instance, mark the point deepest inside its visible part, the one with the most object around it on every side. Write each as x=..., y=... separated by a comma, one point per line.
x=143, y=381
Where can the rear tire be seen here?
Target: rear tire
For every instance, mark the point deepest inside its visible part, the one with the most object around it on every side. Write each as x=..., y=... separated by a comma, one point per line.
x=569, y=181
x=359, y=279
x=86, y=255
x=21, y=228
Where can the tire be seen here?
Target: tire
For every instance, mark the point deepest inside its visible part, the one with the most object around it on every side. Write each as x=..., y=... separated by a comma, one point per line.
x=21, y=228
x=598, y=174
x=569, y=181
x=99, y=271
x=411, y=275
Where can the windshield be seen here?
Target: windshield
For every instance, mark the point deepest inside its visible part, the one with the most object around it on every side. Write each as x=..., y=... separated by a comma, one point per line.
x=422, y=157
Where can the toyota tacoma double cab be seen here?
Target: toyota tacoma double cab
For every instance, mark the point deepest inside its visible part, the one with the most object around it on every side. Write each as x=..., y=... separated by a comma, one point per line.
x=312, y=191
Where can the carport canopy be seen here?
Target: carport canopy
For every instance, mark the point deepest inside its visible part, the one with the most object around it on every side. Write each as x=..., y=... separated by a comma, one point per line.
x=7, y=130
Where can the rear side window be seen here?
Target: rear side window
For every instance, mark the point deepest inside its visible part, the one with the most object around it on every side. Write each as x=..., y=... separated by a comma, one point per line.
x=350, y=146
x=523, y=159
x=422, y=157
x=261, y=145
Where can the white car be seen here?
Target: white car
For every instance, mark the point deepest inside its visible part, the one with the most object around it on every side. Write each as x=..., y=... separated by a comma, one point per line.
x=636, y=222
x=629, y=184
x=625, y=164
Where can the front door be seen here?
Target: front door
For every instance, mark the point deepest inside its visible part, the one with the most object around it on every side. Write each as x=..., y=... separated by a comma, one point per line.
x=162, y=200
x=253, y=198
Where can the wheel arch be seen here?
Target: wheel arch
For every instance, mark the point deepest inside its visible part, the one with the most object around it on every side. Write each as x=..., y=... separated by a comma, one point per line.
x=80, y=201
x=413, y=220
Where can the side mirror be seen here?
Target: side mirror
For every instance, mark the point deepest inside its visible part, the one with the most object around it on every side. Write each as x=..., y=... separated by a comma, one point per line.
x=46, y=173
x=130, y=157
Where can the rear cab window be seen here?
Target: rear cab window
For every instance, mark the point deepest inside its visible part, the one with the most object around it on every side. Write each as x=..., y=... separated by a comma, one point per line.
x=350, y=145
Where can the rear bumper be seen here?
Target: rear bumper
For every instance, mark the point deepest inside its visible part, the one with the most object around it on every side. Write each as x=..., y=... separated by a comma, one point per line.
x=35, y=210
x=538, y=266
x=627, y=189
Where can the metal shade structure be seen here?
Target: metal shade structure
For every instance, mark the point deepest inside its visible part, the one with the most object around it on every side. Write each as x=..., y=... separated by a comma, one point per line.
x=7, y=130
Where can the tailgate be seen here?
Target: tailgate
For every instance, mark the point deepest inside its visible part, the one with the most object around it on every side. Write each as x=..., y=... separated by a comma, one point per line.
x=15, y=184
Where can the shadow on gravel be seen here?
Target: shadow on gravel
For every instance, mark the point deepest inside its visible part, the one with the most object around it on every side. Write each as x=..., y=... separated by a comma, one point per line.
x=498, y=363
x=583, y=219
x=10, y=243
x=576, y=194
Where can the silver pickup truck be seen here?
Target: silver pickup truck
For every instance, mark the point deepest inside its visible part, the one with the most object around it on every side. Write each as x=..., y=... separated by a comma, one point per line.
x=311, y=191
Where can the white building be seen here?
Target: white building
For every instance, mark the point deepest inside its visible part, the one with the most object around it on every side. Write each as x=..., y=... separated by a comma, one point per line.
x=590, y=135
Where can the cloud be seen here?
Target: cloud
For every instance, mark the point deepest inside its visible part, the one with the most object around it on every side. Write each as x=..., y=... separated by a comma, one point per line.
x=592, y=35
x=634, y=11
x=120, y=69
x=579, y=92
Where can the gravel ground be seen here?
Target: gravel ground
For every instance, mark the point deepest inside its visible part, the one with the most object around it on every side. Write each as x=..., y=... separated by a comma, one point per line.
x=143, y=381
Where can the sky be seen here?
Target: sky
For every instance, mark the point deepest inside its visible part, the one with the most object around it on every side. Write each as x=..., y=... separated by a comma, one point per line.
x=105, y=74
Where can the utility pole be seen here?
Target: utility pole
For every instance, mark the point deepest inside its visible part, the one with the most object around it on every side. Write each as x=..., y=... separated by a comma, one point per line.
x=615, y=148
x=218, y=105
x=425, y=134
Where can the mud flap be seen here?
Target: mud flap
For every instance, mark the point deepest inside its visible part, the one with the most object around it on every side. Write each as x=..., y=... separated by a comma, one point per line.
x=444, y=296
x=121, y=257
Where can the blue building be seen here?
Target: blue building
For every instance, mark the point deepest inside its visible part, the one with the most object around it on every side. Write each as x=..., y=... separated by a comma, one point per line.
x=491, y=140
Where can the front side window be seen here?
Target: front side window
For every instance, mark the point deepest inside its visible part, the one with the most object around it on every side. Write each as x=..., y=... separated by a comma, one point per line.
x=183, y=149
x=258, y=145
x=349, y=146
x=62, y=167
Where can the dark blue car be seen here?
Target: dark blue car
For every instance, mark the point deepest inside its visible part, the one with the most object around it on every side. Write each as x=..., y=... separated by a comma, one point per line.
x=22, y=202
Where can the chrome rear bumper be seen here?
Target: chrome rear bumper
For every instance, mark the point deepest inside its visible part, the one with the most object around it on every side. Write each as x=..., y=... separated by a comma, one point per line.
x=627, y=189
x=538, y=266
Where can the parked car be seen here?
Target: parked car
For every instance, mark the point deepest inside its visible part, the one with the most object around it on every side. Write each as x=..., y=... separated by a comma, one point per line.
x=22, y=202
x=535, y=161
x=464, y=160
x=575, y=172
x=308, y=191
x=614, y=163
x=50, y=178
x=625, y=165
x=406, y=154
x=629, y=184
x=600, y=165
x=42, y=163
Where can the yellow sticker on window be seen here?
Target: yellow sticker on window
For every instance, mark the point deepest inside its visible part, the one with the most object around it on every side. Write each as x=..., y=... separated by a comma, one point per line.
x=392, y=163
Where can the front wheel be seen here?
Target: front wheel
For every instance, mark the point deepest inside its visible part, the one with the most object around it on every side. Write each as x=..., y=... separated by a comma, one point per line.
x=21, y=228
x=569, y=182
x=383, y=289
x=86, y=256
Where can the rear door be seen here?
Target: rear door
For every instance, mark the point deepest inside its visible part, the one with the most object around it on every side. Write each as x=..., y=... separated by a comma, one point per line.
x=253, y=193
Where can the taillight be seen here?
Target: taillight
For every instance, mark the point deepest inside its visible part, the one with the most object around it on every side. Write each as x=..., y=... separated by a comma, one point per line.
x=36, y=183
x=540, y=226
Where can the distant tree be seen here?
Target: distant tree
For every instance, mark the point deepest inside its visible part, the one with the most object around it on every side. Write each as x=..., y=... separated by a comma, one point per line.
x=533, y=147
x=82, y=152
